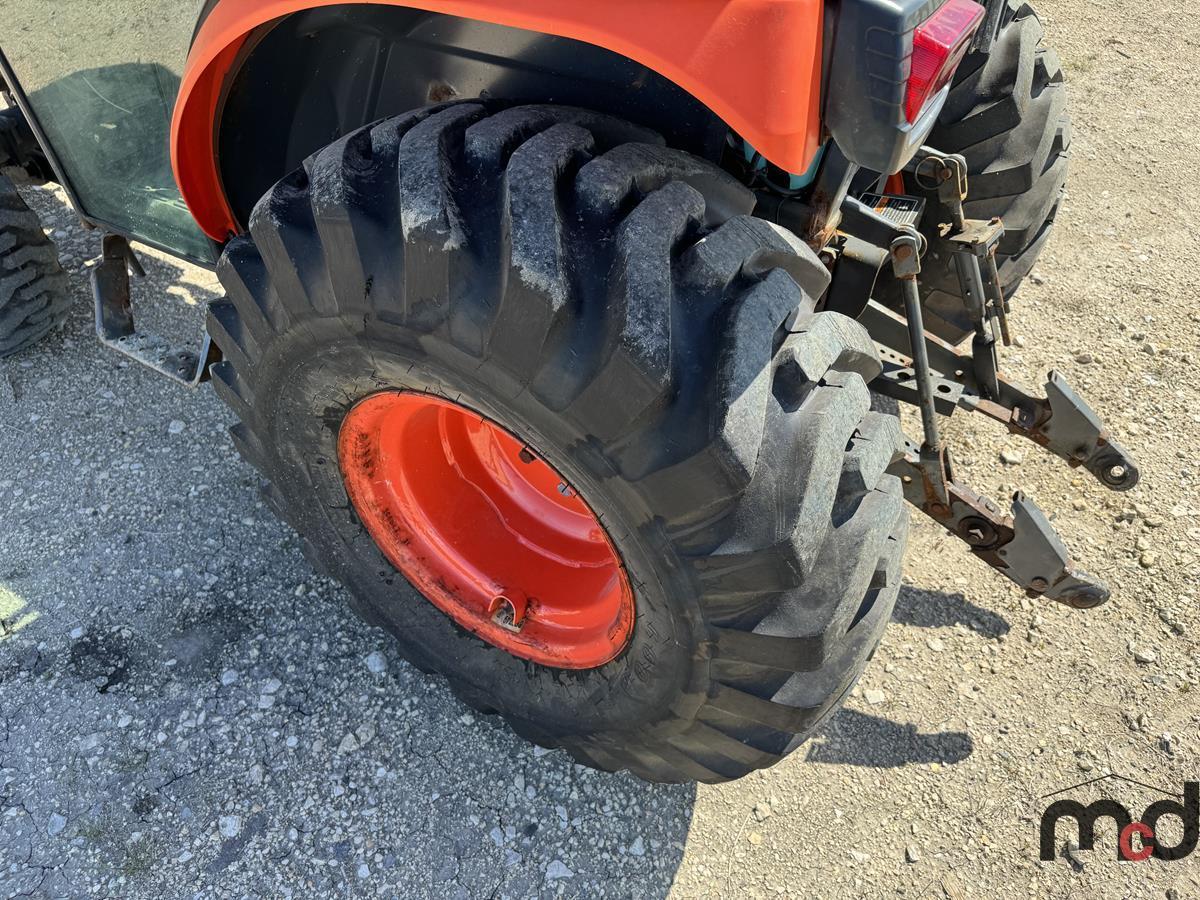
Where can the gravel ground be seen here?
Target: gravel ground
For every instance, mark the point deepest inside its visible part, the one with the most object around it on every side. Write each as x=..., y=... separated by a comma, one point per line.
x=185, y=708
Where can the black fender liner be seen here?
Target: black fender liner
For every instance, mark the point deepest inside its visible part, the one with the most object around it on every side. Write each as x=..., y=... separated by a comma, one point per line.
x=312, y=77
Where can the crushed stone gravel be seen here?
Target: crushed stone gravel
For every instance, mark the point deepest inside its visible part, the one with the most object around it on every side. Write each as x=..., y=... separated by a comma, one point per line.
x=186, y=709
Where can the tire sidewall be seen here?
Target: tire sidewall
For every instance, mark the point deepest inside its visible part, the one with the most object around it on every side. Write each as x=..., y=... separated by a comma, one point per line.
x=317, y=375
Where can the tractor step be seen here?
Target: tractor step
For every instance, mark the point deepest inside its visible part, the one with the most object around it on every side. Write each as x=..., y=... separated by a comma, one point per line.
x=115, y=326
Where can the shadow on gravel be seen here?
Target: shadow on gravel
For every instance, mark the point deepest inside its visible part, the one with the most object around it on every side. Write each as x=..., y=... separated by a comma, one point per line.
x=194, y=712
x=934, y=609
x=854, y=738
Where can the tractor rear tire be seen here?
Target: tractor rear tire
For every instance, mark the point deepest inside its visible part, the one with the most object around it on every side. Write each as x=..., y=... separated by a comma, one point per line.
x=1007, y=114
x=34, y=291
x=612, y=303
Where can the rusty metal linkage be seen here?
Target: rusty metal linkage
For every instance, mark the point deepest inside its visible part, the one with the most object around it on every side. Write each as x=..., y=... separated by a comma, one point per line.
x=1061, y=422
x=1023, y=545
x=906, y=266
x=973, y=244
x=939, y=378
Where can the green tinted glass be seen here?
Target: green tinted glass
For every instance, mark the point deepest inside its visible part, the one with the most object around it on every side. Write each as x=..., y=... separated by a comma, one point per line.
x=102, y=82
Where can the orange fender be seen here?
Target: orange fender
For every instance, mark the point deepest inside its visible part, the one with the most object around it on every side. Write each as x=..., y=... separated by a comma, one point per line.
x=755, y=63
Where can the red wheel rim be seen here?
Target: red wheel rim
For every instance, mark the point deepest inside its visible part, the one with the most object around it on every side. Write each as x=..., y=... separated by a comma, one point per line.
x=489, y=532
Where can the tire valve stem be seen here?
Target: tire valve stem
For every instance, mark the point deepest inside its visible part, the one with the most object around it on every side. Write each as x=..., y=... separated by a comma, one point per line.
x=565, y=489
x=510, y=615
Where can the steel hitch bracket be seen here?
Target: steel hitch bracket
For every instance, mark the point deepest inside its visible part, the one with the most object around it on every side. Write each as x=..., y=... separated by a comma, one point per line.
x=114, y=319
x=1061, y=422
x=1021, y=544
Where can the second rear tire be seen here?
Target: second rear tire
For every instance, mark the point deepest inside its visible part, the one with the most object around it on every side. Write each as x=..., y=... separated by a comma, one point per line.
x=1007, y=115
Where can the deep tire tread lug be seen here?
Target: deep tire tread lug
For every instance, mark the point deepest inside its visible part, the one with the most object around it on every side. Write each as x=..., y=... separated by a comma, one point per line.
x=623, y=286
x=34, y=290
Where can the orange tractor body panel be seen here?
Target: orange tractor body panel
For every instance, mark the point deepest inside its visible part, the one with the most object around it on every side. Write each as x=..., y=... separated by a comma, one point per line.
x=767, y=91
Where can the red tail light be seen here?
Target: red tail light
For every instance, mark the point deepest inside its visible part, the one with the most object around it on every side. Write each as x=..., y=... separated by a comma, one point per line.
x=939, y=45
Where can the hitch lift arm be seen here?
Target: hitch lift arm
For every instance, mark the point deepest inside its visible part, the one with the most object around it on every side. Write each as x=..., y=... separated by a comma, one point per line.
x=1061, y=422
x=939, y=378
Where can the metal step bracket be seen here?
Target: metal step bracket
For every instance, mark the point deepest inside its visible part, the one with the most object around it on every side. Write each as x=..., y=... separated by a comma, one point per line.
x=115, y=326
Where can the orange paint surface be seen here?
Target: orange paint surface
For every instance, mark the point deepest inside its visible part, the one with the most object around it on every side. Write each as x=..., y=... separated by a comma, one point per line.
x=488, y=532
x=755, y=63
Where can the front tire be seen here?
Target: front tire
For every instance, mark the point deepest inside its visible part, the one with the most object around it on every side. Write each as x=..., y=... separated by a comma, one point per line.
x=34, y=293
x=611, y=302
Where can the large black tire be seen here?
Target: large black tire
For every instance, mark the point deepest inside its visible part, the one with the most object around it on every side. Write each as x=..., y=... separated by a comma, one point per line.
x=1007, y=114
x=613, y=304
x=34, y=291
